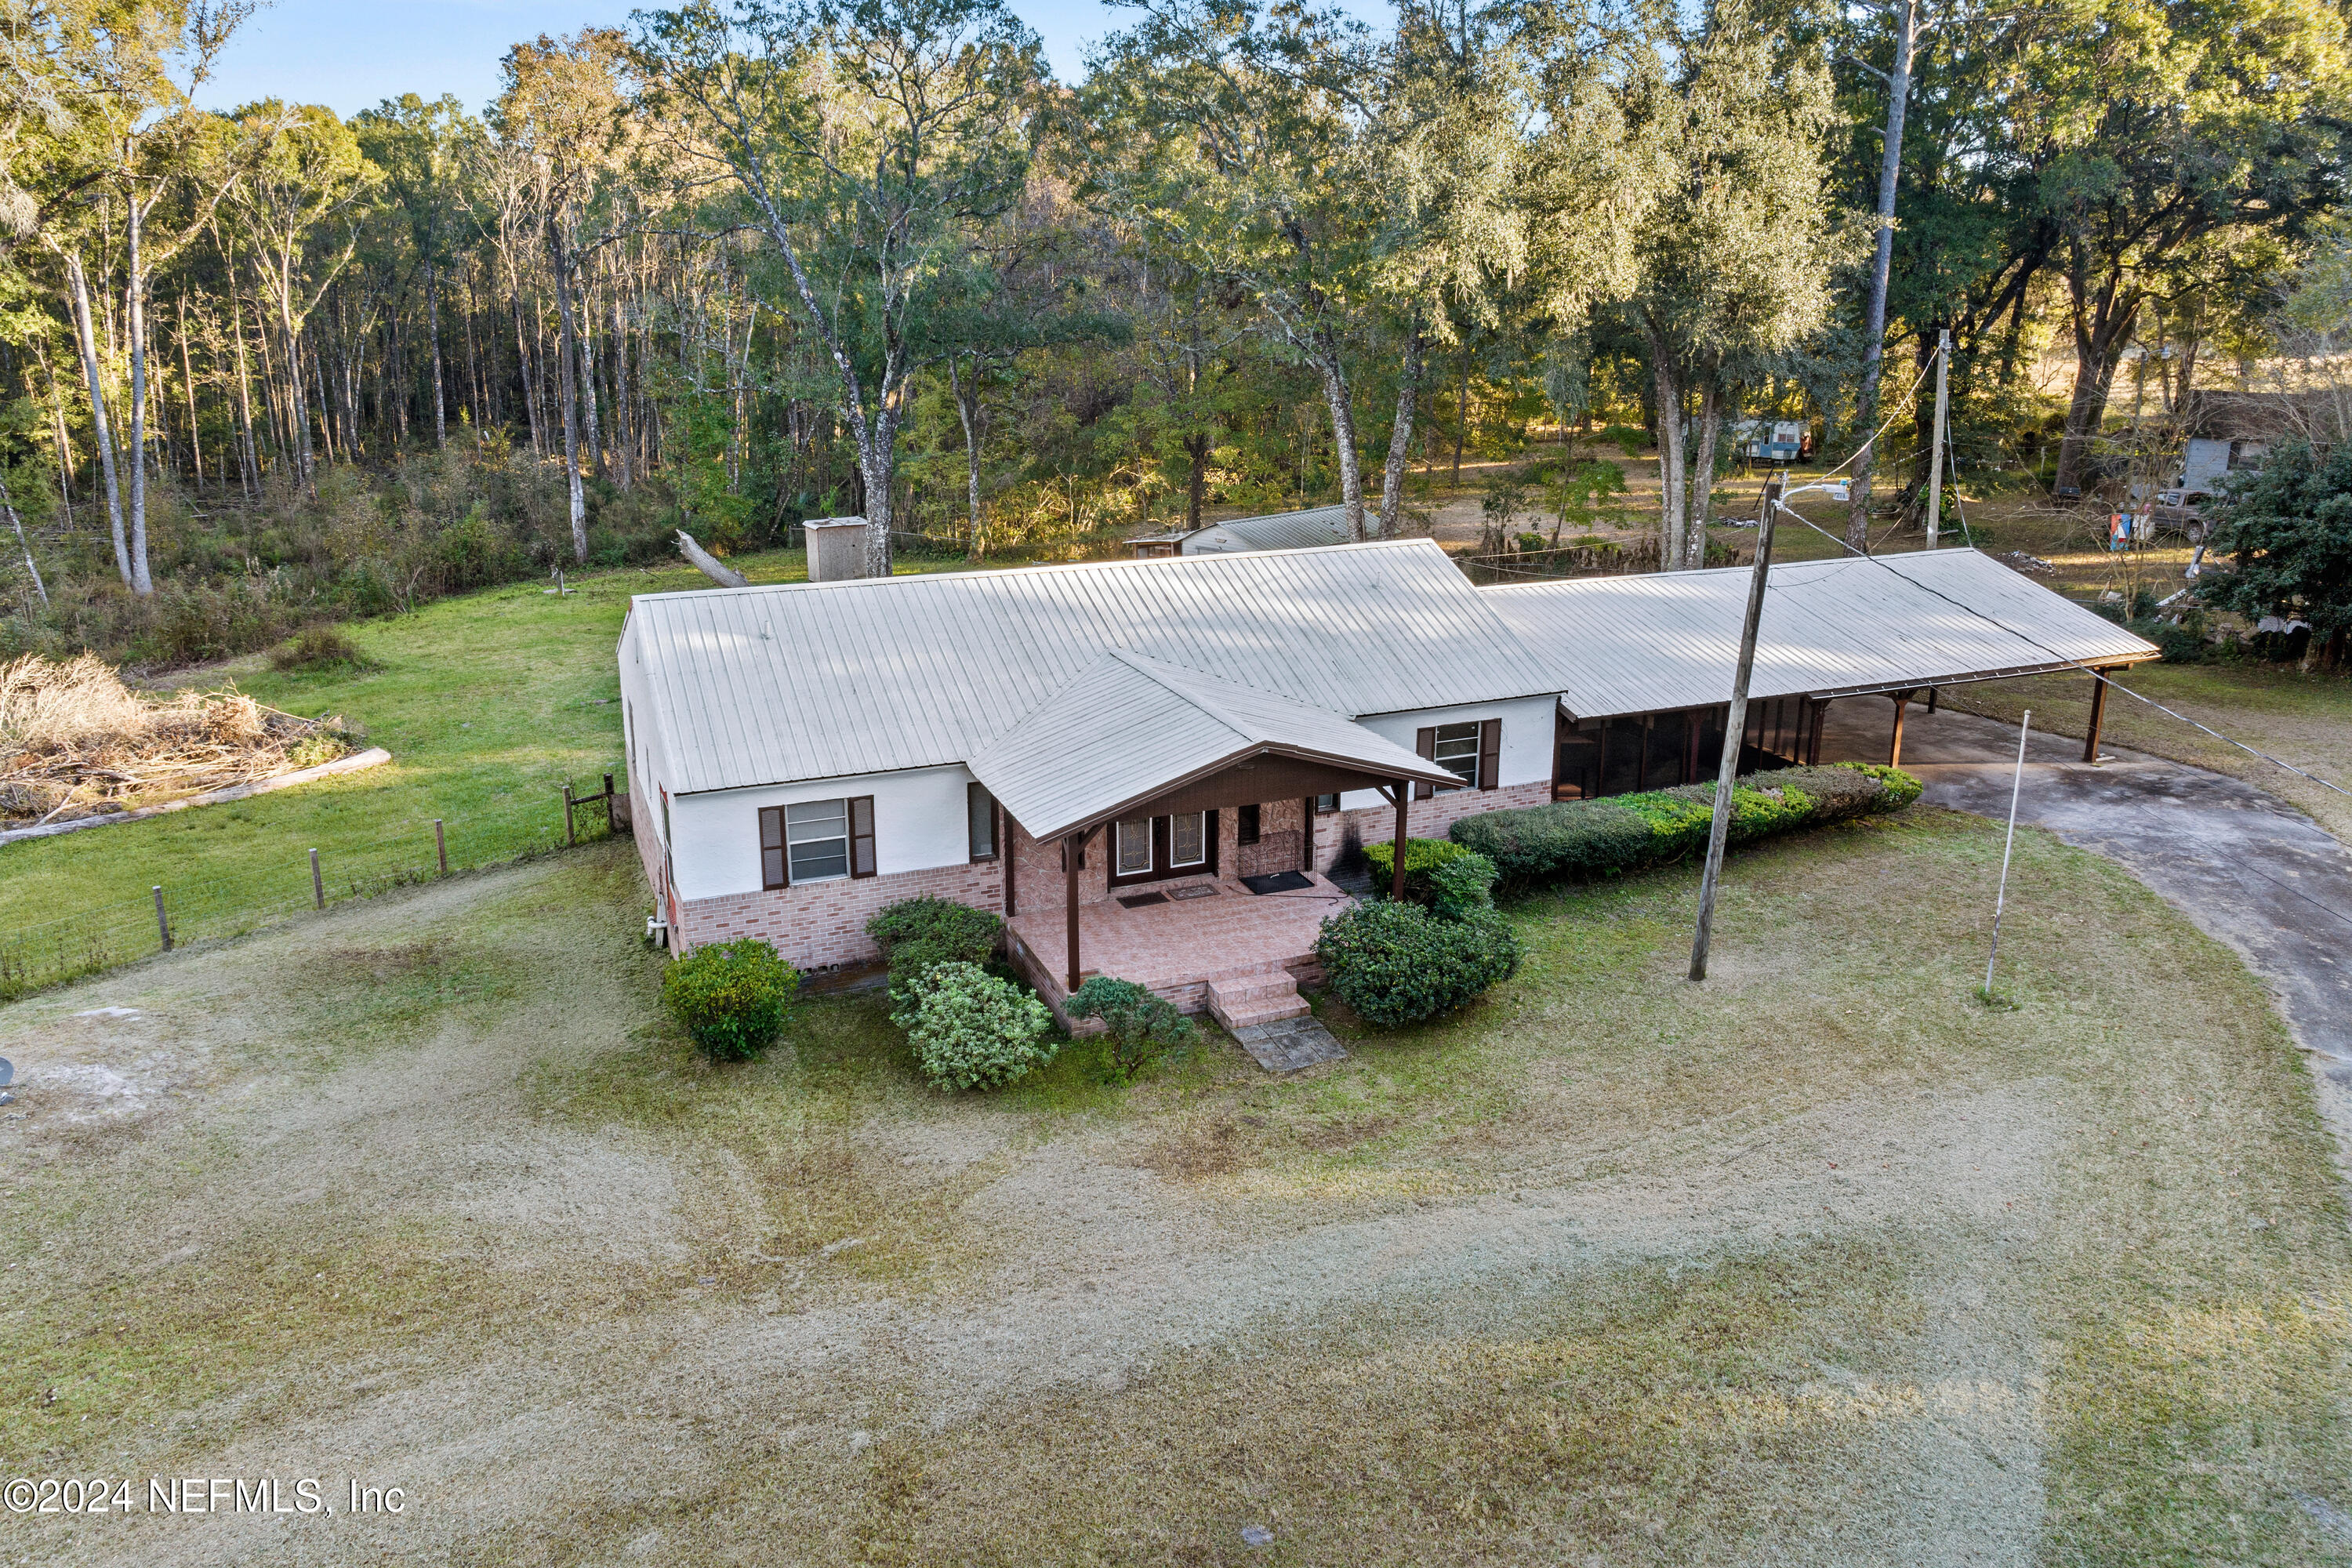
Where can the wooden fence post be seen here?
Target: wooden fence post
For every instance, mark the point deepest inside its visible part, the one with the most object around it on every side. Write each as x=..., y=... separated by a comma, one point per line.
x=317, y=886
x=569, y=838
x=440, y=846
x=163, y=926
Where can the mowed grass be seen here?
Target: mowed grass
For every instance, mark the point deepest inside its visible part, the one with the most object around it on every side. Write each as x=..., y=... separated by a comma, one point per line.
x=1821, y=1261
x=488, y=704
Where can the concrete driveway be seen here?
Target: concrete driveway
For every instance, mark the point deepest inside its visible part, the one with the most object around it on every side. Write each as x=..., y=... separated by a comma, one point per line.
x=2247, y=869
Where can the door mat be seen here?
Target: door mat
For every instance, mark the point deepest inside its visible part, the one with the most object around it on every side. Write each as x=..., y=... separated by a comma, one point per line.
x=1137, y=901
x=1202, y=891
x=1279, y=882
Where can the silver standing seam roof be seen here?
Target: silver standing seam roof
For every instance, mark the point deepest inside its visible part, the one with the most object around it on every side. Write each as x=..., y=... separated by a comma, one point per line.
x=774, y=685
x=1174, y=725
x=1667, y=640
x=1280, y=531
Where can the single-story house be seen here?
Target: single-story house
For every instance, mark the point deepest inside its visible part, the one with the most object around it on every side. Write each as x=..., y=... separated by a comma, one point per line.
x=1308, y=530
x=1166, y=769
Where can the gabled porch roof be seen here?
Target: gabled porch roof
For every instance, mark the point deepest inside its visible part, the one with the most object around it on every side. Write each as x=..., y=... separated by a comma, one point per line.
x=1129, y=730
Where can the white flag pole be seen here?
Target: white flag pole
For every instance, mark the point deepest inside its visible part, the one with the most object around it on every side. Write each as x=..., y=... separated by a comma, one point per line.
x=2001, y=899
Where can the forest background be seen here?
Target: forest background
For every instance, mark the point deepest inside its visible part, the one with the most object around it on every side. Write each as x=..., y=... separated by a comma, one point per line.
x=742, y=264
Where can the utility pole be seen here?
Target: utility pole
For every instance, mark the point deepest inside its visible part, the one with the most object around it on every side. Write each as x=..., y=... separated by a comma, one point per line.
x=1735, y=729
x=1936, y=458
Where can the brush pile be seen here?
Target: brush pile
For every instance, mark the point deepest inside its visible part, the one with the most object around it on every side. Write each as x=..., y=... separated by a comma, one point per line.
x=75, y=742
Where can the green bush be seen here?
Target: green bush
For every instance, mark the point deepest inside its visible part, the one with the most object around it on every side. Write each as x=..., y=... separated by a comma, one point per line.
x=731, y=997
x=962, y=931
x=1582, y=839
x=972, y=1030
x=1422, y=857
x=1398, y=963
x=1462, y=886
x=1632, y=439
x=918, y=934
x=1137, y=1025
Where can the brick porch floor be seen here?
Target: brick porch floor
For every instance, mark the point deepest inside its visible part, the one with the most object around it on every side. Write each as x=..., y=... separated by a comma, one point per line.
x=1178, y=948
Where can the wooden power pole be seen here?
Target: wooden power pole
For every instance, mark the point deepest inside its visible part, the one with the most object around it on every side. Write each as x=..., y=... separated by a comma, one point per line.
x=1735, y=730
x=1936, y=458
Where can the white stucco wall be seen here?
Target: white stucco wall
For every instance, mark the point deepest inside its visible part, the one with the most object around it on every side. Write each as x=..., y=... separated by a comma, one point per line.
x=920, y=822
x=1526, y=739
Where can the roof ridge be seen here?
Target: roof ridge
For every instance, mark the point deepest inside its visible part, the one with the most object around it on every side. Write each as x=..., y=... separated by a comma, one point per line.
x=1035, y=568
x=1138, y=662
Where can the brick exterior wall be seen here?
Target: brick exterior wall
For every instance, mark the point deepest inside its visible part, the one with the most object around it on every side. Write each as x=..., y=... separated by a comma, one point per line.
x=1340, y=837
x=823, y=924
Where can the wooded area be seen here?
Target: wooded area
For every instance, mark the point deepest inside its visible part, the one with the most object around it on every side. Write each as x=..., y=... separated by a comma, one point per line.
x=749, y=263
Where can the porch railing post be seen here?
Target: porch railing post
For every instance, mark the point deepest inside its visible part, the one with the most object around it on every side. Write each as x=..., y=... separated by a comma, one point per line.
x=1403, y=798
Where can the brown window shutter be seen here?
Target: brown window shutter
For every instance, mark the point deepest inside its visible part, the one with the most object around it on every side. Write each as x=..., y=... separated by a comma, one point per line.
x=861, y=836
x=771, y=846
x=1490, y=753
x=1425, y=742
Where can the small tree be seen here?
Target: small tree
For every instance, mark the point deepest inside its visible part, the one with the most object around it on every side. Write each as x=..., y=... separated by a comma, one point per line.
x=731, y=997
x=1137, y=1025
x=2290, y=527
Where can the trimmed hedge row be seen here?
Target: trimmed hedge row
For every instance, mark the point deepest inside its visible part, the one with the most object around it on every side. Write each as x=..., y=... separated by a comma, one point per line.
x=1628, y=832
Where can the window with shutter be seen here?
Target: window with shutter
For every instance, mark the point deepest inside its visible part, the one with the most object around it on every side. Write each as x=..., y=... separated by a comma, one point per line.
x=1490, y=754
x=861, y=836
x=816, y=841
x=771, y=846
x=1424, y=741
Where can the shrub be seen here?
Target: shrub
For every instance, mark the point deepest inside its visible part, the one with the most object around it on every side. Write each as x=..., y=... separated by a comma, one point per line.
x=1631, y=439
x=1398, y=963
x=318, y=647
x=1422, y=857
x=1581, y=838
x=972, y=1030
x=960, y=932
x=1462, y=887
x=1138, y=1026
x=731, y=997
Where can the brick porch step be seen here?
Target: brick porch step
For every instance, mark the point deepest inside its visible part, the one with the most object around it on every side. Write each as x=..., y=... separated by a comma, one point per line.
x=1260, y=996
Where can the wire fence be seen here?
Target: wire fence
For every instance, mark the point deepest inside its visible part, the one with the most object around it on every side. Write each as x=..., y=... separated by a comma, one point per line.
x=174, y=914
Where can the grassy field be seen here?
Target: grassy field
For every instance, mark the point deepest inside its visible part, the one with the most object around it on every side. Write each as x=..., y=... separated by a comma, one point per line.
x=1822, y=1262
x=488, y=703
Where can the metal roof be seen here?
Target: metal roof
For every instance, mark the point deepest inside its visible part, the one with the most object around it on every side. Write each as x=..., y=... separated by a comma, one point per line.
x=1279, y=530
x=1053, y=772
x=769, y=685
x=1668, y=640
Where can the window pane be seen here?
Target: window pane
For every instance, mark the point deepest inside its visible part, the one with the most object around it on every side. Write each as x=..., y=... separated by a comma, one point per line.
x=1323, y=802
x=1245, y=824
x=819, y=859
x=817, y=819
x=1134, y=848
x=981, y=807
x=1458, y=751
x=1188, y=842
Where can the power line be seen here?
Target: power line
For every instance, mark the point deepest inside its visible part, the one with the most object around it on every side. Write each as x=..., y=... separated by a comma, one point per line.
x=2078, y=664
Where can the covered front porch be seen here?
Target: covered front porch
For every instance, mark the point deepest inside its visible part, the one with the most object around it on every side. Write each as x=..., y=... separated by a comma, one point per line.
x=1203, y=931
x=1125, y=796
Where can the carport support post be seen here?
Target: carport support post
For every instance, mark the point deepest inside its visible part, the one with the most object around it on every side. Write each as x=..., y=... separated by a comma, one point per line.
x=1735, y=729
x=1894, y=744
x=1396, y=878
x=2098, y=715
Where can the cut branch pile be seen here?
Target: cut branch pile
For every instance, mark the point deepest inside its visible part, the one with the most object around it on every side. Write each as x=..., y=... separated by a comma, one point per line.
x=75, y=742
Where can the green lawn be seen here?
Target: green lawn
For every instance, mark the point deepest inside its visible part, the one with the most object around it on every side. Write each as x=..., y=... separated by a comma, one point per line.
x=488, y=703
x=1822, y=1261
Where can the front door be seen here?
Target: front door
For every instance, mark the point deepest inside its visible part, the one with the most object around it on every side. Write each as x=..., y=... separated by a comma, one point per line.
x=1149, y=848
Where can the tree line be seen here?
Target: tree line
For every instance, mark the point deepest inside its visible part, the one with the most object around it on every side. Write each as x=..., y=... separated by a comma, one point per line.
x=746, y=261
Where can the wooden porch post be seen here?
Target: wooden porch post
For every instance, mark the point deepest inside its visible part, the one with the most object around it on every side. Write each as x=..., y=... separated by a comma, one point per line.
x=1073, y=846
x=2098, y=715
x=1894, y=745
x=1307, y=834
x=1403, y=798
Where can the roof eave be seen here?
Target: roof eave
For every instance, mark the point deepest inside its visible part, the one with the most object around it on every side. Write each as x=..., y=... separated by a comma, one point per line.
x=1087, y=823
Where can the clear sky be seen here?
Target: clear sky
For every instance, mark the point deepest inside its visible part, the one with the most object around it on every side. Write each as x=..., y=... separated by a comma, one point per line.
x=351, y=55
